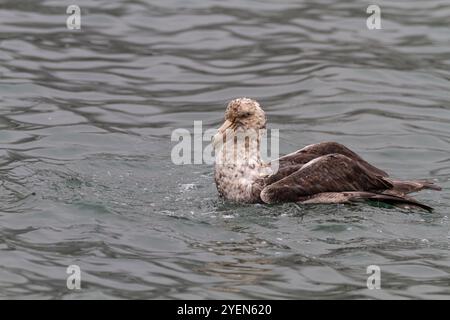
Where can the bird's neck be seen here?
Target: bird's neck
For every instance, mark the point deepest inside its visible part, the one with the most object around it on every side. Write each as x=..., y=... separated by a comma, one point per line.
x=239, y=150
x=238, y=166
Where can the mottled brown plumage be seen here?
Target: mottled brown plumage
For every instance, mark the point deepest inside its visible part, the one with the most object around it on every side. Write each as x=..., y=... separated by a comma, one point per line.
x=326, y=172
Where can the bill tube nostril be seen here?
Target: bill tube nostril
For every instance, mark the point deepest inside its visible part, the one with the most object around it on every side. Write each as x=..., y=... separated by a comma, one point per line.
x=218, y=137
x=227, y=124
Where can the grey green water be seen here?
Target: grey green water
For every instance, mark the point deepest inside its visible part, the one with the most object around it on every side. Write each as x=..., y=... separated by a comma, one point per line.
x=86, y=176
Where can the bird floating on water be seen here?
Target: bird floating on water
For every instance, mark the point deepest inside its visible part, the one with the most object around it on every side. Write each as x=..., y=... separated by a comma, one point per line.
x=326, y=172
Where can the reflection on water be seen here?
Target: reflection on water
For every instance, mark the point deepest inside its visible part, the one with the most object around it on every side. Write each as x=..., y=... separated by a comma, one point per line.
x=85, y=169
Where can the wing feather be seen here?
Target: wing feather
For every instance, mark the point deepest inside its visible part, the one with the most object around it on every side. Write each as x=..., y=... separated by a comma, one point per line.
x=329, y=173
x=358, y=196
x=313, y=151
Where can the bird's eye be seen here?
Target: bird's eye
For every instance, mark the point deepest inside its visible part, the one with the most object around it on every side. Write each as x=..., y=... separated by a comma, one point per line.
x=246, y=114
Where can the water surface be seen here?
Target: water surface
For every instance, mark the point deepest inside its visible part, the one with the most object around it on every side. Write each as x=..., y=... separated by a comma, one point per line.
x=86, y=176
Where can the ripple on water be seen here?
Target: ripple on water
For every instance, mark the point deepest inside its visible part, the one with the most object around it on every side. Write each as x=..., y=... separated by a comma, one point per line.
x=85, y=170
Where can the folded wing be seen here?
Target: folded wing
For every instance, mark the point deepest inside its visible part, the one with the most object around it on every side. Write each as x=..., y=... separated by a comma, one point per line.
x=329, y=173
x=294, y=161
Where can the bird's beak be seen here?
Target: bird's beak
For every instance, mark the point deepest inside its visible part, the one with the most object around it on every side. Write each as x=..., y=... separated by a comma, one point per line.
x=218, y=138
x=226, y=125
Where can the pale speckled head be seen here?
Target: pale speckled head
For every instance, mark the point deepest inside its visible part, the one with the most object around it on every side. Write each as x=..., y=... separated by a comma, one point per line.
x=245, y=113
x=242, y=114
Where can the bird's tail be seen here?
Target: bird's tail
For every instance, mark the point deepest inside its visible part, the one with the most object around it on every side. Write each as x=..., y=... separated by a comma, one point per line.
x=403, y=202
x=397, y=200
x=409, y=186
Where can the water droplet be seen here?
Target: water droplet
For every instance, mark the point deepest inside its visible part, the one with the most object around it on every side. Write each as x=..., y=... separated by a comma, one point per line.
x=188, y=186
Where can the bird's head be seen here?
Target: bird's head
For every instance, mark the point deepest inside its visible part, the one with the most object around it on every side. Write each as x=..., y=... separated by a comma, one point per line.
x=242, y=114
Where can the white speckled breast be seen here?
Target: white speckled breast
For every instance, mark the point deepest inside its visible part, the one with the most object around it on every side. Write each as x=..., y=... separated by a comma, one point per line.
x=238, y=178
